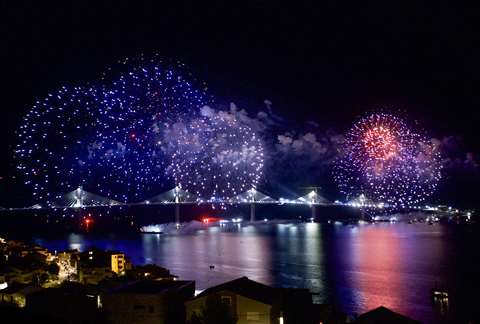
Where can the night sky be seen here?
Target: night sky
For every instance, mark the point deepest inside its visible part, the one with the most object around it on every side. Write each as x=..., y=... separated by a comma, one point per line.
x=326, y=63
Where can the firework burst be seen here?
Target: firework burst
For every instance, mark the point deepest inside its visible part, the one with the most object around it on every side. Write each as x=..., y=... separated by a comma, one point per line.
x=388, y=162
x=108, y=137
x=217, y=157
x=148, y=97
x=54, y=138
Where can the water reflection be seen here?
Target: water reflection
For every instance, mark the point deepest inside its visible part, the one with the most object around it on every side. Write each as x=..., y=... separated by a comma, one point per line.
x=394, y=265
x=75, y=242
x=212, y=256
x=356, y=267
x=375, y=253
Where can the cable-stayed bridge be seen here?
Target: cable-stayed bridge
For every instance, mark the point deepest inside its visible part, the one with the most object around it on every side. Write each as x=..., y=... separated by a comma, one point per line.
x=82, y=199
x=78, y=198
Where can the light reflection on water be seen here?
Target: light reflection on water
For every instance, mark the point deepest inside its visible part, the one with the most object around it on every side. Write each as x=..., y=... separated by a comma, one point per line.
x=356, y=267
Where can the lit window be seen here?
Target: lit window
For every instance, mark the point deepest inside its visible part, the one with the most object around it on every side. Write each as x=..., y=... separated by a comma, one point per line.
x=227, y=300
x=253, y=316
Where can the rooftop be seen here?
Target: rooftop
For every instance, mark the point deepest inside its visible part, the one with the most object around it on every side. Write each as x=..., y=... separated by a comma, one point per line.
x=253, y=290
x=16, y=287
x=384, y=315
x=67, y=289
x=152, y=286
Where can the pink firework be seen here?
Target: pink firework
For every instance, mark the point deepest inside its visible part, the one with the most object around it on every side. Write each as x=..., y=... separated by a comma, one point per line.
x=387, y=162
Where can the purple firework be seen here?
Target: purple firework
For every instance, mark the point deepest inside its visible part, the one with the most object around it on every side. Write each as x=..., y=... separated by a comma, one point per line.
x=217, y=157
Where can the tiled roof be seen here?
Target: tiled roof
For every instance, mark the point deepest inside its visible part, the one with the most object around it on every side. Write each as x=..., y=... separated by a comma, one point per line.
x=250, y=289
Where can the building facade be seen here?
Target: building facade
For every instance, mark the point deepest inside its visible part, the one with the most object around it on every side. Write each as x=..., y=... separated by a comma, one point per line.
x=148, y=301
x=252, y=302
x=118, y=263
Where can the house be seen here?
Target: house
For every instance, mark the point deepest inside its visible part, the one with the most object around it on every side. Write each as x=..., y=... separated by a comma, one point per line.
x=114, y=261
x=148, y=301
x=94, y=275
x=382, y=315
x=11, y=274
x=253, y=302
x=118, y=262
x=151, y=271
x=16, y=294
x=44, y=253
x=97, y=265
x=71, y=302
x=23, y=274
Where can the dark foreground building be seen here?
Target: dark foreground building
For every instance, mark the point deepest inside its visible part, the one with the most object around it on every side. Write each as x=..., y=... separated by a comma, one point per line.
x=383, y=315
x=148, y=301
x=249, y=301
x=71, y=303
x=240, y=301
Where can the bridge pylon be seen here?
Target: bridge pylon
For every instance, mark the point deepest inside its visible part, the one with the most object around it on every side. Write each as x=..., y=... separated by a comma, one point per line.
x=176, y=196
x=177, y=205
x=252, y=194
x=177, y=213
x=313, y=198
x=252, y=212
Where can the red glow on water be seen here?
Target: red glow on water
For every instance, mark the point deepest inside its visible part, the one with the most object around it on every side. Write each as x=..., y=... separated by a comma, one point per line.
x=87, y=221
x=381, y=252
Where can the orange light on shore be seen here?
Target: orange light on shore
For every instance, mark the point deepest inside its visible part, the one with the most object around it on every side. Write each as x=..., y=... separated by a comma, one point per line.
x=209, y=219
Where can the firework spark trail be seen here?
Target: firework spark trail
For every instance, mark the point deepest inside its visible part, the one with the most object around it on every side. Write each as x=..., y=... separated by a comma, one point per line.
x=217, y=157
x=388, y=162
x=147, y=99
x=109, y=136
x=53, y=140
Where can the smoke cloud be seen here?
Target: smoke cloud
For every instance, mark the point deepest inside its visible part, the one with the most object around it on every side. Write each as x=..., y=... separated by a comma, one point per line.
x=300, y=155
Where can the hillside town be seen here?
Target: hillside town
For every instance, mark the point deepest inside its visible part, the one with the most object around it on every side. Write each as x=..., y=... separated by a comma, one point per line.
x=97, y=286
